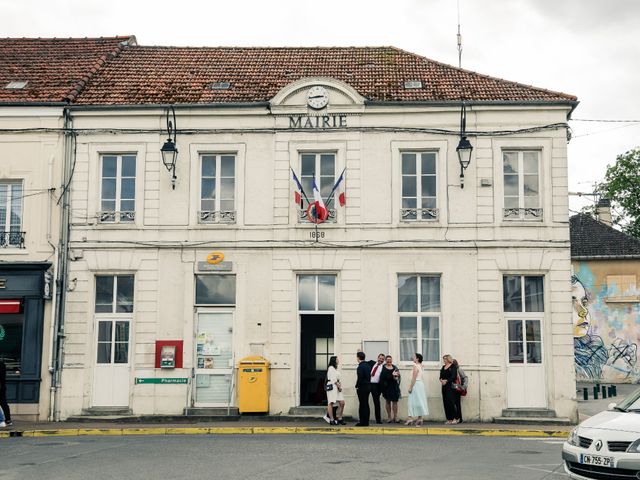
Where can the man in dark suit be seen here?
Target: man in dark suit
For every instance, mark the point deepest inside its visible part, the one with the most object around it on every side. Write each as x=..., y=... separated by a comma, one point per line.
x=363, y=387
x=376, y=371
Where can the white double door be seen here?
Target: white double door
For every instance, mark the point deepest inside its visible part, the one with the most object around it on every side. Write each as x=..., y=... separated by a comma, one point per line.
x=213, y=359
x=526, y=376
x=112, y=370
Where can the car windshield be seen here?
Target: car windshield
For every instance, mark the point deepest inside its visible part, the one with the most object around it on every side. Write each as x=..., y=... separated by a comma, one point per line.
x=631, y=403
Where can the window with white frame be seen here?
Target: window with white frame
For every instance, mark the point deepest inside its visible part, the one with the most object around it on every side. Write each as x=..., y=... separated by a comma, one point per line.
x=322, y=167
x=523, y=305
x=521, y=176
x=217, y=188
x=419, y=316
x=113, y=308
x=118, y=188
x=11, y=194
x=419, y=184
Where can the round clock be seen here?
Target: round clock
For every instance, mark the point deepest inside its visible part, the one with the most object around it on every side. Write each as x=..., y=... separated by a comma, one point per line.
x=318, y=97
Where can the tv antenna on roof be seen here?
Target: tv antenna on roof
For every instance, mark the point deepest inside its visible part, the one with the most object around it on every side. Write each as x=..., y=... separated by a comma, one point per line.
x=459, y=38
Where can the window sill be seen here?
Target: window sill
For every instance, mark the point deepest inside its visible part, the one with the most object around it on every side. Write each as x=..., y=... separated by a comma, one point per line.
x=13, y=251
x=623, y=299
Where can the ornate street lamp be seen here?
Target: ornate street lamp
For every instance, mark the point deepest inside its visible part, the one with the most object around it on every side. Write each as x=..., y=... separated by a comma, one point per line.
x=169, y=150
x=464, y=148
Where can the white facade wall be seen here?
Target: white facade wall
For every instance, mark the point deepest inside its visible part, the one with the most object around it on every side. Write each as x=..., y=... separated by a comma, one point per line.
x=470, y=245
x=31, y=147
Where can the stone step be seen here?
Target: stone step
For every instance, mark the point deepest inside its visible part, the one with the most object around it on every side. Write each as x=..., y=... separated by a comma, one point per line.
x=107, y=411
x=529, y=412
x=211, y=411
x=307, y=411
x=540, y=421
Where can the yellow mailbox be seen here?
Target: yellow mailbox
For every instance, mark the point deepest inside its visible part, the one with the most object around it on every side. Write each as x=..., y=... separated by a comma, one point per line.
x=253, y=385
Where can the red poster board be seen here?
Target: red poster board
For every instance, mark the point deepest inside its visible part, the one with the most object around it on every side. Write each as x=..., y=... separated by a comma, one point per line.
x=176, y=343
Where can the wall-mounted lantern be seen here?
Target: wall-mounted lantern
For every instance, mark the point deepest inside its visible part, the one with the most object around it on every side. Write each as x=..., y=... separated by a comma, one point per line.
x=169, y=150
x=464, y=148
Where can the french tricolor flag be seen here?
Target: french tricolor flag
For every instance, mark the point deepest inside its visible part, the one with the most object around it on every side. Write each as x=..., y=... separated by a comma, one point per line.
x=297, y=195
x=338, y=189
x=321, y=210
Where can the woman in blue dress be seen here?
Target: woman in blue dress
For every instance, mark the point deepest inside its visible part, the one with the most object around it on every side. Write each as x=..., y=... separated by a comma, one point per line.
x=417, y=394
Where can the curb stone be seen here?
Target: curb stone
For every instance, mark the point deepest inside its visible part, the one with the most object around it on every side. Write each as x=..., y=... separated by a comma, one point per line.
x=283, y=431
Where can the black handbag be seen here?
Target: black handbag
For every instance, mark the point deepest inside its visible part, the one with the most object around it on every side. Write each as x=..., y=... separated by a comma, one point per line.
x=328, y=387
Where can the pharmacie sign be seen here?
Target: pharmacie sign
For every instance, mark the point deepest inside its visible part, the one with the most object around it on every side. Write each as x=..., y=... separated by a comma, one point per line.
x=313, y=122
x=162, y=381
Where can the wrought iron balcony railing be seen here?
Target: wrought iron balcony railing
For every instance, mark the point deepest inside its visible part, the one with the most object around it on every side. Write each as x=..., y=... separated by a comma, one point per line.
x=302, y=216
x=116, y=217
x=217, y=216
x=418, y=214
x=533, y=214
x=12, y=239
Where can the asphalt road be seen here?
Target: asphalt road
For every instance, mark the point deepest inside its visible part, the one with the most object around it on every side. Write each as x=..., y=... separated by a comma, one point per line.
x=305, y=457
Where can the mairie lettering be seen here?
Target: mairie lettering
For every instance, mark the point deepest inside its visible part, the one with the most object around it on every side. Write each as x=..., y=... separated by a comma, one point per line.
x=318, y=121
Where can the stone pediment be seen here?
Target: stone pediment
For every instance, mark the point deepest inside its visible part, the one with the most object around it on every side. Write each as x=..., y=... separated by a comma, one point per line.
x=294, y=98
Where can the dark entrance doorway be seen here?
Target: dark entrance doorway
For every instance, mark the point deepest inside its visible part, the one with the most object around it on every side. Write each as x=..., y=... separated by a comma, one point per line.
x=316, y=347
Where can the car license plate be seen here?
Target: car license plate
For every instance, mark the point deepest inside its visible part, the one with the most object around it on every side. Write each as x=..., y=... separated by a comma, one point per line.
x=598, y=460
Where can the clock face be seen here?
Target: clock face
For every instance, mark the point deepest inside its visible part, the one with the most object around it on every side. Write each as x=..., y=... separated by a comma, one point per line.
x=318, y=97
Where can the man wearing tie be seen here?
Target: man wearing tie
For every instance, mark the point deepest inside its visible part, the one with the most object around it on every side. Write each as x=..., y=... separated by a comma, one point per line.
x=363, y=384
x=376, y=370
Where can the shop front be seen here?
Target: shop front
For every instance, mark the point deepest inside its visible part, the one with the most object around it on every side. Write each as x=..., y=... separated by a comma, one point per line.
x=24, y=287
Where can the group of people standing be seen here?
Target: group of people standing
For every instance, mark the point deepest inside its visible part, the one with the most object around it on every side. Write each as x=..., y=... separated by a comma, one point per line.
x=381, y=377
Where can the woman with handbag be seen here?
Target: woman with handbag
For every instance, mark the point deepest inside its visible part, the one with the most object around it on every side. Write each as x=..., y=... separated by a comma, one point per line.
x=460, y=387
x=448, y=376
x=335, y=398
x=390, y=383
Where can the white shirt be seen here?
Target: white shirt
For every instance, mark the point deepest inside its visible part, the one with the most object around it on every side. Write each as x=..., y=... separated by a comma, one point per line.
x=375, y=378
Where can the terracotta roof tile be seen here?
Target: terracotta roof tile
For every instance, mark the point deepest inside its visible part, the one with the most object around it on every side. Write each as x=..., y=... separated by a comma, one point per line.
x=55, y=69
x=165, y=75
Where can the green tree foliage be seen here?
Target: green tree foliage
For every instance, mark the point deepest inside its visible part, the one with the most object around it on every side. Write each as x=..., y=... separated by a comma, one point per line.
x=622, y=187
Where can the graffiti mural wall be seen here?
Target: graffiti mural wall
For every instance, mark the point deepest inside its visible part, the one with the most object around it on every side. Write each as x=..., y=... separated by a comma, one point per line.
x=606, y=321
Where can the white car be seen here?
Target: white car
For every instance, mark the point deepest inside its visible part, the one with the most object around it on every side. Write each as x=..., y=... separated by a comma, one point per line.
x=607, y=445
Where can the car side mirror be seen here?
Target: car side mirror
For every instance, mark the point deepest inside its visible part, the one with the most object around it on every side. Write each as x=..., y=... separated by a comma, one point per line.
x=611, y=406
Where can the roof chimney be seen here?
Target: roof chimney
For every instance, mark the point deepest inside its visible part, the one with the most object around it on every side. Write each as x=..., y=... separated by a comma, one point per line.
x=603, y=211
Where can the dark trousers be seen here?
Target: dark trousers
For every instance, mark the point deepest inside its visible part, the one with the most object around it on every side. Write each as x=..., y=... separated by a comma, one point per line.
x=363, y=407
x=4, y=405
x=458, y=406
x=449, y=401
x=375, y=394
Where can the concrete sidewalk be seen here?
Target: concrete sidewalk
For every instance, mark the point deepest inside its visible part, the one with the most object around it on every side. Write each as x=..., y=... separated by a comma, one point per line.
x=26, y=429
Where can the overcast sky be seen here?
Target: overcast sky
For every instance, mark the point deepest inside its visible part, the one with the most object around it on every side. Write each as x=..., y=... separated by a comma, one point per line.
x=588, y=48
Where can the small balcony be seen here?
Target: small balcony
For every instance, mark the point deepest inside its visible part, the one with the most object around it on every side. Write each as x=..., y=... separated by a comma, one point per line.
x=217, y=216
x=524, y=214
x=116, y=217
x=419, y=214
x=12, y=239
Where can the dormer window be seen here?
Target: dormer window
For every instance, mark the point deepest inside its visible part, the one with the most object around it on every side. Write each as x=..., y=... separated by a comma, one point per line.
x=16, y=85
x=412, y=84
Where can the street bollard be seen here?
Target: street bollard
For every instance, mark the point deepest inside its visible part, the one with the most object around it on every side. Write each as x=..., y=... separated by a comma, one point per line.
x=610, y=391
x=615, y=390
x=595, y=392
x=604, y=391
x=585, y=393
